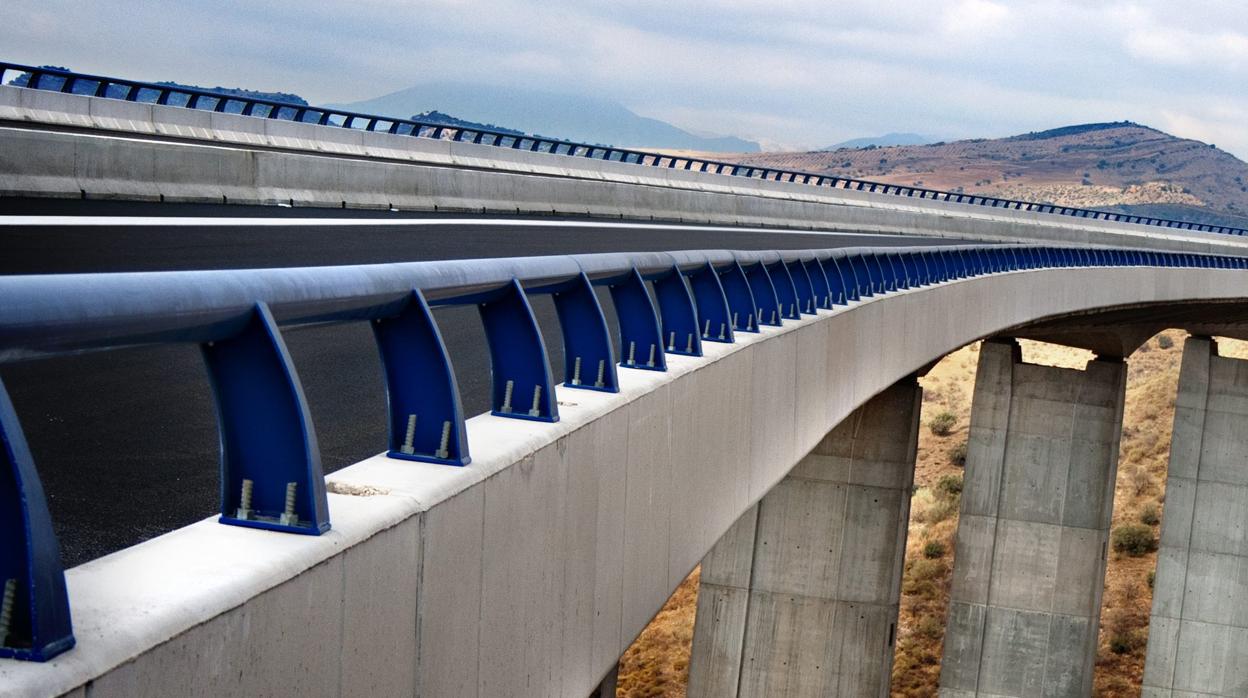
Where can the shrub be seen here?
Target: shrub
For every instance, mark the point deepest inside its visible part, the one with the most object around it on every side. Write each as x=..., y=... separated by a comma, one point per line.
x=927, y=508
x=933, y=549
x=1164, y=341
x=1127, y=642
x=942, y=423
x=927, y=570
x=930, y=627
x=950, y=485
x=1141, y=479
x=1152, y=578
x=957, y=454
x=1134, y=539
x=1150, y=515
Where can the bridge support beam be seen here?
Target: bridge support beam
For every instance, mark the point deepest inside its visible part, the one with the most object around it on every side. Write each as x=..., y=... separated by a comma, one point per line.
x=800, y=597
x=1199, y=624
x=1036, y=504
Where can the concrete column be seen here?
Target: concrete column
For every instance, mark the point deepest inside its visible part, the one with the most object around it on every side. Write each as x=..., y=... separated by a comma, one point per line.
x=800, y=596
x=1198, y=634
x=1037, y=498
x=606, y=689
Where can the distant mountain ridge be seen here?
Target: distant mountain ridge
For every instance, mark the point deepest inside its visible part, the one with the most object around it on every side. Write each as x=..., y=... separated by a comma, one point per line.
x=437, y=117
x=886, y=140
x=548, y=113
x=1119, y=166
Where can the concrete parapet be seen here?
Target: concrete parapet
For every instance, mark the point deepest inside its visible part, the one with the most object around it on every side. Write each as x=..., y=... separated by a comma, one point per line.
x=800, y=596
x=1198, y=633
x=108, y=148
x=1030, y=555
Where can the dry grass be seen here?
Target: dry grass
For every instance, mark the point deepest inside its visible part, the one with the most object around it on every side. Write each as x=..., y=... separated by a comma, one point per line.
x=657, y=663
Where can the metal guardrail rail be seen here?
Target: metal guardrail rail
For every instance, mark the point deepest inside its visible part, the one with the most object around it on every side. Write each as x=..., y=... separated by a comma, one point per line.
x=271, y=475
x=131, y=90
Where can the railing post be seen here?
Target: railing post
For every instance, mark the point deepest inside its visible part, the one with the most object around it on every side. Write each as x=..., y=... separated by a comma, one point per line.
x=741, y=303
x=640, y=343
x=522, y=383
x=426, y=418
x=588, y=360
x=713, y=313
x=34, y=606
x=271, y=474
x=764, y=295
x=679, y=316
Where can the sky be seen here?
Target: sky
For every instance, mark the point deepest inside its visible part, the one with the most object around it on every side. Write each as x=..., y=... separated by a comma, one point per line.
x=791, y=75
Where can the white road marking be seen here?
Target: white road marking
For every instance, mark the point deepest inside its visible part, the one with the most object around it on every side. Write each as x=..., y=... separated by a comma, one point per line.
x=187, y=221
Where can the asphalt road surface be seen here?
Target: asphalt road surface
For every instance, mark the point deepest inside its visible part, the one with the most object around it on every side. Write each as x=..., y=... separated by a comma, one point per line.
x=126, y=441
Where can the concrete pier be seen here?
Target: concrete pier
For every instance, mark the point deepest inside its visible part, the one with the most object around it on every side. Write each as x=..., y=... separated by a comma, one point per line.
x=606, y=689
x=1198, y=634
x=1036, y=504
x=800, y=597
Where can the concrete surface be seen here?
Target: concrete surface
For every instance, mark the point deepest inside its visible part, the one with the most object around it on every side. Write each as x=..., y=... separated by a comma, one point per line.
x=490, y=573
x=800, y=597
x=62, y=145
x=1029, y=560
x=1198, y=631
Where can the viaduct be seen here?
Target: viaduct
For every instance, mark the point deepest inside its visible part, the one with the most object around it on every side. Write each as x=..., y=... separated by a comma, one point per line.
x=752, y=411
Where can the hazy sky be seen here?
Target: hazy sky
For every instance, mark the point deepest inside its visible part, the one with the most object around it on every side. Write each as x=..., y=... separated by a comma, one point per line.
x=792, y=74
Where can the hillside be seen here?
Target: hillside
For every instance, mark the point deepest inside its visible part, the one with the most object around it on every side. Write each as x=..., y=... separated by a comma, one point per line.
x=1121, y=166
x=437, y=117
x=882, y=141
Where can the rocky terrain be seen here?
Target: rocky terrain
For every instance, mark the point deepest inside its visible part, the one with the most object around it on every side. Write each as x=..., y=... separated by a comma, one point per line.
x=1121, y=165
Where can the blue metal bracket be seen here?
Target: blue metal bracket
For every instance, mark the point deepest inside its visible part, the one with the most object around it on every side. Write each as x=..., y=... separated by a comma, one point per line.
x=34, y=606
x=679, y=316
x=786, y=291
x=901, y=271
x=588, y=362
x=740, y=298
x=819, y=282
x=849, y=275
x=879, y=278
x=641, y=345
x=426, y=418
x=838, y=288
x=764, y=294
x=894, y=276
x=522, y=384
x=270, y=465
x=864, y=286
x=805, y=289
x=713, y=311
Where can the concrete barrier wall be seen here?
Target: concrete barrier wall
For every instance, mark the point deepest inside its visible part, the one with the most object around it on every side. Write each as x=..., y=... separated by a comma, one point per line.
x=530, y=571
x=74, y=146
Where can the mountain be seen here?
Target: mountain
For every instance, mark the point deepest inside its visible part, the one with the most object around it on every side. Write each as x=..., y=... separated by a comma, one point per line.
x=1120, y=166
x=882, y=141
x=547, y=113
x=437, y=117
